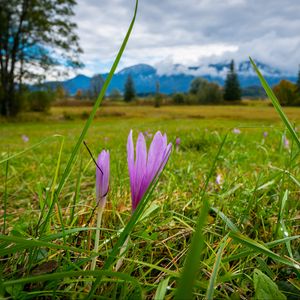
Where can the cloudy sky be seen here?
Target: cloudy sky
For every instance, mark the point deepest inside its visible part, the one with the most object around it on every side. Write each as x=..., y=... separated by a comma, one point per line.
x=190, y=32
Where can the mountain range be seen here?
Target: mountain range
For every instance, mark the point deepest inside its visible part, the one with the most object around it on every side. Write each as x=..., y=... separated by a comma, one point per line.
x=177, y=78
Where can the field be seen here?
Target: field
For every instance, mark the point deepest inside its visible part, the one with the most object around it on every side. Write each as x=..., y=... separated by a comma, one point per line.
x=238, y=158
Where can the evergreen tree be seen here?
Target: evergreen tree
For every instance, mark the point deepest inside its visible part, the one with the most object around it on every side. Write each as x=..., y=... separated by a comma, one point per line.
x=36, y=36
x=158, y=96
x=129, y=90
x=232, y=90
x=298, y=81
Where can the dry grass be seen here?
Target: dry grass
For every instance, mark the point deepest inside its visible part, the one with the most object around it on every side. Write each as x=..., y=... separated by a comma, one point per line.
x=258, y=113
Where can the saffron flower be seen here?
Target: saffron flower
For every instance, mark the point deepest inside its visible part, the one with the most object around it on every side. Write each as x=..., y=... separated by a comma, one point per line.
x=102, y=177
x=144, y=168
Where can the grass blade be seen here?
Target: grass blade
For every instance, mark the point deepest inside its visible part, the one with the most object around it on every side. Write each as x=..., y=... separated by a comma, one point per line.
x=188, y=276
x=78, y=274
x=162, y=289
x=257, y=247
x=269, y=245
x=226, y=220
x=30, y=148
x=5, y=196
x=93, y=112
x=97, y=103
x=31, y=243
x=276, y=104
x=213, y=278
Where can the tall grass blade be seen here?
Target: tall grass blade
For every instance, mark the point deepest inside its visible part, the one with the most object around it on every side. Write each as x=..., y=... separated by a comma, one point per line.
x=188, y=276
x=276, y=104
x=93, y=112
x=5, y=196
x=97, y=103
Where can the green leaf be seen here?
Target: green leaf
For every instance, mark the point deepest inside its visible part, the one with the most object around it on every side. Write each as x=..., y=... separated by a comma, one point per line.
x=265, y=288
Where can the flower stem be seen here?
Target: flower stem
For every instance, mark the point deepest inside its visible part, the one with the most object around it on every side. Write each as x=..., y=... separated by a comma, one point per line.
x=96, y=246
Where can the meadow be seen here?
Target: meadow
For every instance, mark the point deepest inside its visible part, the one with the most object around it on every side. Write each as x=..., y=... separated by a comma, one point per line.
x=239, y=159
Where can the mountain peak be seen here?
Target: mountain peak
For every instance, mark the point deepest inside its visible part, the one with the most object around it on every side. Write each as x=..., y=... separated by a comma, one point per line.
x=142, y=69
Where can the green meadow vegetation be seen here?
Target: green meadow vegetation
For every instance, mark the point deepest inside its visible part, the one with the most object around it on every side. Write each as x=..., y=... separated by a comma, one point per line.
x=220, y=222
x=253, y=216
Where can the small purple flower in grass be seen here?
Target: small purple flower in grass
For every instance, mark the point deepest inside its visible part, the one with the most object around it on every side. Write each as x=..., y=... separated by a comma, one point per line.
x=265, y=134
x=148, y=134
x=177, y=143
x=102, y=177
x=286, y=142
x=219, y=179
x=25, y=138
x=236, y=131
x=144, y=168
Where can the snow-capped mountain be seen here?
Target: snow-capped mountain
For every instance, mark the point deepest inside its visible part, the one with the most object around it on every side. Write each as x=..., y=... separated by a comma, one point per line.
x=177, y=78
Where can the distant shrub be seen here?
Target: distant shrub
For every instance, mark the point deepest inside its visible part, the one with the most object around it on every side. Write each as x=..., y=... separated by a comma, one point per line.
x=115, y=95
x=85, y=115
x=206, y=92
x=67, y=116
x=178, y=98
x=286, y=92
x=40, y=100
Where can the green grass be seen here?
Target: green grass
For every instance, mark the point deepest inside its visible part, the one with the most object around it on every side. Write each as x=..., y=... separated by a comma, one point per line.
x=257, y=204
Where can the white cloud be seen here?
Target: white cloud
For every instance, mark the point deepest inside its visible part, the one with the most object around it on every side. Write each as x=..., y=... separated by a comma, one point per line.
x=189, y=32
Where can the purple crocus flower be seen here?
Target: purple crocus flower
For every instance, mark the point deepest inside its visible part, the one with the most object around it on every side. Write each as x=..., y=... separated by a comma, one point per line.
x=145, y=167
x=102, y=177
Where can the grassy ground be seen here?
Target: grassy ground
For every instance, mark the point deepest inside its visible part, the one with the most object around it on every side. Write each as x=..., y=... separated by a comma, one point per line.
x=257, y=201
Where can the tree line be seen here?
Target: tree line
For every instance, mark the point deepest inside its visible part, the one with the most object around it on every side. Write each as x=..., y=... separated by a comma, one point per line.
x=37, y=37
